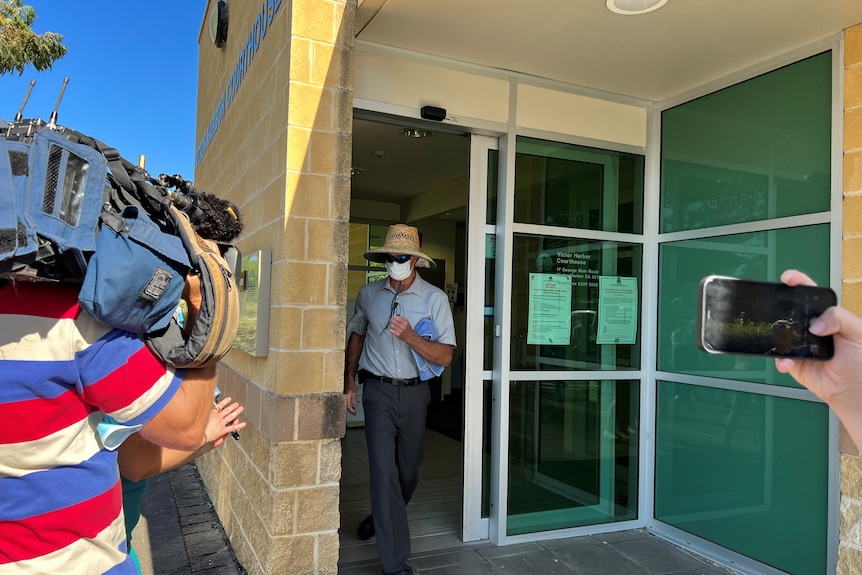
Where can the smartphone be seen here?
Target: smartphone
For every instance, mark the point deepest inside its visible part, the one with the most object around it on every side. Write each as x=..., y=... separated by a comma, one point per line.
x=748, y=317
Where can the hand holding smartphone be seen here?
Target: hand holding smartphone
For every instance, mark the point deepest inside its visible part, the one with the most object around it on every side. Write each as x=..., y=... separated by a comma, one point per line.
x=771, y=319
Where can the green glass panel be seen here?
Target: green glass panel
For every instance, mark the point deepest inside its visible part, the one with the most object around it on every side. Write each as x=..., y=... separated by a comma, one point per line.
x=754, y=151
x=578, y=187
x=572, y=454
x=758, y=256
x=745, y=471
x=491, y=205
x=584, y=261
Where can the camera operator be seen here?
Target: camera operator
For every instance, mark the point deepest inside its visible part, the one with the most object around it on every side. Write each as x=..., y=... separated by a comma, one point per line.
x=837, y=381
x=62, y=375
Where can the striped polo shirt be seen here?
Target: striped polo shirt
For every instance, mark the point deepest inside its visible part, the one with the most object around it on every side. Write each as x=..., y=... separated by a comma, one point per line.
x=61, y=372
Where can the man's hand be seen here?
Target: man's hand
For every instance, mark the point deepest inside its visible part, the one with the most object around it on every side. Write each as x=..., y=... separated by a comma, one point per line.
x=350, y=392
x=400, y=328
x=223, y=419
x=351, y=364
x=434, y=352
x=837, y=381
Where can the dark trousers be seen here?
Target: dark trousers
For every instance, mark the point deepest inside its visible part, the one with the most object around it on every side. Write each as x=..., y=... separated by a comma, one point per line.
x=395, y=434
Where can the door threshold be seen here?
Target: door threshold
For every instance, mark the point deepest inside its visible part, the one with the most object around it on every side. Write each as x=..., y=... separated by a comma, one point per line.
x=365, y=552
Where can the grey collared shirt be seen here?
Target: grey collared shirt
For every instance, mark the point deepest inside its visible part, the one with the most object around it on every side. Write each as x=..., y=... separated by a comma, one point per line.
x=384, y=354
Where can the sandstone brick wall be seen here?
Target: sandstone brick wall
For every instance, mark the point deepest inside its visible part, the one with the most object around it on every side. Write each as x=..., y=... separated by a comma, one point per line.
x=282, y=153
x=850, y=546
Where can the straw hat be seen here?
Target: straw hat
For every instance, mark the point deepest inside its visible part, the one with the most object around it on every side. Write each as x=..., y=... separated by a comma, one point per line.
x=401, y=239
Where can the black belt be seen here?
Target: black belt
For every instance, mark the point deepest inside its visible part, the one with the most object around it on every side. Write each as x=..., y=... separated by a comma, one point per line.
x=364, y=375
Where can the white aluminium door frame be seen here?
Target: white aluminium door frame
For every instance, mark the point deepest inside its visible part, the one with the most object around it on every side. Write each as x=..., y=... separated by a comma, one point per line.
x=473, y=526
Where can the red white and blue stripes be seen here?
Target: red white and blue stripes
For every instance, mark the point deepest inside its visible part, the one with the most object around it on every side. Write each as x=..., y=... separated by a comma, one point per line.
x=60, y=373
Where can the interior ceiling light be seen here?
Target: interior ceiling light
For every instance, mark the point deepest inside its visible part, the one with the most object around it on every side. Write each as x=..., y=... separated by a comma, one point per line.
x=632, y=7
x=417, y=133
x=358, y=171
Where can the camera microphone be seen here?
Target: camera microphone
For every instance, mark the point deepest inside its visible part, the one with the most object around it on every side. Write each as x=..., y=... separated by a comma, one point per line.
x=212, y=218
x=183, y=202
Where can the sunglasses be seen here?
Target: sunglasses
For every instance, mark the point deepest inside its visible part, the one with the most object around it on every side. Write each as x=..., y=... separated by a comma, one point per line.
x=398, y=259
x=394, y=309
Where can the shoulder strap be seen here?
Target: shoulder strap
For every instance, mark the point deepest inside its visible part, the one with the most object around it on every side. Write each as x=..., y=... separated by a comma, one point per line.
x=119, y=166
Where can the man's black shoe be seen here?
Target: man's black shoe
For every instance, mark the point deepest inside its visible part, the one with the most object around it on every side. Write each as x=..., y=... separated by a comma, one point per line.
x=366, y=529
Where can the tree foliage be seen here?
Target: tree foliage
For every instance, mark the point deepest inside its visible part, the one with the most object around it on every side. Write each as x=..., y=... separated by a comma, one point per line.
x=20, y=46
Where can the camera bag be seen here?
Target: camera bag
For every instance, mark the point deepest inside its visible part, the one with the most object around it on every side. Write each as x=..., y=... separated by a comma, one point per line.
x=73, y=210
x=136, y=276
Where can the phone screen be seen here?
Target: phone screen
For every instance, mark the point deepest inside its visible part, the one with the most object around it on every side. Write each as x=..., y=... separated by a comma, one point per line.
x=762, y=318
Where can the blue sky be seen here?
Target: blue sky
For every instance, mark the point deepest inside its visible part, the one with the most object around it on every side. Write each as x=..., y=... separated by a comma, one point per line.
x=132, y=69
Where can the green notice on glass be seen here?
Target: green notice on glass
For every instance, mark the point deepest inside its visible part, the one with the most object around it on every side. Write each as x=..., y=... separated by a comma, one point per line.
x=618, y=310
x=550, y=309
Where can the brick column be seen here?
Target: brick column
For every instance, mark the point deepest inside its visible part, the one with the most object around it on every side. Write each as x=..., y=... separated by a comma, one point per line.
x=279, y=145
x=850, y=545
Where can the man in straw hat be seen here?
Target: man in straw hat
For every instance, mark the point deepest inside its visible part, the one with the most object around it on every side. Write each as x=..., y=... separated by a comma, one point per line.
x=401, y=335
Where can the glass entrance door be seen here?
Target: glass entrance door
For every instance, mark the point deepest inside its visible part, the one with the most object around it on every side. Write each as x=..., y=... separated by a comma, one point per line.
x=478, y=466
x=566, y=369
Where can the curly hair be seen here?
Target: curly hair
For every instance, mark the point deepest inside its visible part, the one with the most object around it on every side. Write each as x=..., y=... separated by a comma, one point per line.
x=215, y=219
x=211, y=217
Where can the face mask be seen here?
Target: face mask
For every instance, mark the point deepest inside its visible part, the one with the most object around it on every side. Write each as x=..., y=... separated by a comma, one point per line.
x=398, y=272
